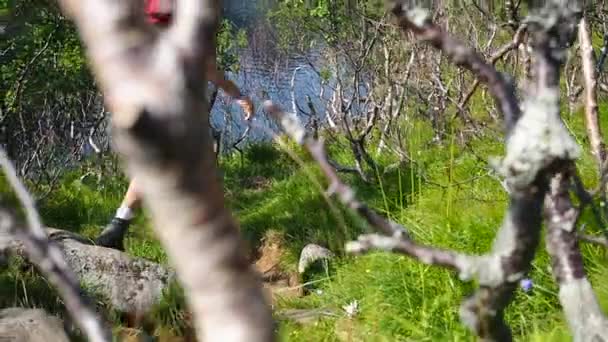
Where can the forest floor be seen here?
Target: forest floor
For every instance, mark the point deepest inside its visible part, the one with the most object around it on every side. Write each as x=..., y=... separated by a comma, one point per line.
x=448, y=198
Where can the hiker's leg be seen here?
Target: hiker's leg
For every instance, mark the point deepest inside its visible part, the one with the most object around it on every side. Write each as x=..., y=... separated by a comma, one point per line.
x=131, y=201
x=114, y=234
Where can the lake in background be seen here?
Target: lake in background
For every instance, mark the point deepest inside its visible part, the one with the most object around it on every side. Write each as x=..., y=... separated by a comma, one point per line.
x=264, y=73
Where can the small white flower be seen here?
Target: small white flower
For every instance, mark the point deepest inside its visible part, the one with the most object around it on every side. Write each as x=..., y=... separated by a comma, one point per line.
x=352, y=309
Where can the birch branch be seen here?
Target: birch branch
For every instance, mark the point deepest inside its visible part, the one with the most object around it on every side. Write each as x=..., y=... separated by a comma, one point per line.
x=598, y=148
x=538, y=141
x=498, y=271
x=585, y=317
x=49, y=258
x=152, y=82
x=582, y=310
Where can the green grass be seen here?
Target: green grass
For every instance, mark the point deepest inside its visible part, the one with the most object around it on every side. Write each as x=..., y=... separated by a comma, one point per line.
x=448, y=199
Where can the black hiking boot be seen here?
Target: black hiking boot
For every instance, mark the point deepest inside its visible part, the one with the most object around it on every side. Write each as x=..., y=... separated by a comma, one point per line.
x=114, y=234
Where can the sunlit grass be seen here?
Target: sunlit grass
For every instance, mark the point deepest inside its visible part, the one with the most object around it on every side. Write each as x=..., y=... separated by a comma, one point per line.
x=449, y=198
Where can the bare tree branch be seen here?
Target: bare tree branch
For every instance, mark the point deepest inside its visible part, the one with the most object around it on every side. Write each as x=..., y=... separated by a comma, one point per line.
x=598, y=149
x=49, y=258
x=583, y=313
x=296, y=131
x=427, y=255
x=419, y=22
x=153, y=82
x=595, y=240
x=581, y=308
x=514, y=44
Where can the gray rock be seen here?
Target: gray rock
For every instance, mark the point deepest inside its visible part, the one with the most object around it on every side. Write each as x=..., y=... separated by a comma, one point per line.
x=29, y=325
x=129, y=284
x=312, y=253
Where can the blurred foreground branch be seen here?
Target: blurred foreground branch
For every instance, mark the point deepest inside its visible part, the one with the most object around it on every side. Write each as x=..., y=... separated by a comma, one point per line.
x=152, y=81
x=49, y=258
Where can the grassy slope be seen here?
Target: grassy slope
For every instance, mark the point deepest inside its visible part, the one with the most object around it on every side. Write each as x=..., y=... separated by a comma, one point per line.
x=448, y=199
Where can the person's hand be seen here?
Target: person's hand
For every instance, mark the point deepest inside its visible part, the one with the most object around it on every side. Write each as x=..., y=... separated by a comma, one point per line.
x=247, y=105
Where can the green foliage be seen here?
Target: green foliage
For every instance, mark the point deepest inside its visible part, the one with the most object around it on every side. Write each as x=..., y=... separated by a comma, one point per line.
x=45, y=61
x=7, y=196
x=304, y=24
x=402, y=300
x=229, y=41
x=170, y=312
x=5, y=10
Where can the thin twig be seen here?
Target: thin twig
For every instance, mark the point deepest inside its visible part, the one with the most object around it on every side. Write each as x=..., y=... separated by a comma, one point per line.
x=501, y=88
x=514, y=44
x=596, y=240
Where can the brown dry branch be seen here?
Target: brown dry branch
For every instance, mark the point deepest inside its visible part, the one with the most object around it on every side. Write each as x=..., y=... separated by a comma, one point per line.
x=152, y=82
x=49, y=258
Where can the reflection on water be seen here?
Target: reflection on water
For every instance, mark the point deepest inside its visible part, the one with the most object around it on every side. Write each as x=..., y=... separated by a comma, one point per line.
x=264, y=73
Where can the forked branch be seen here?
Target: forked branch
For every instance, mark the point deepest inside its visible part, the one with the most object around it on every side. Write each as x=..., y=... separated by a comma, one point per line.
x=500, y=53
x=581, y=308
x=419, y=22
x=498, y=271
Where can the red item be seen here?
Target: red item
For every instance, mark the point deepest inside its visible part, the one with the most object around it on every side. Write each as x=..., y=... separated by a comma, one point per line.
x=159, y=11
